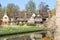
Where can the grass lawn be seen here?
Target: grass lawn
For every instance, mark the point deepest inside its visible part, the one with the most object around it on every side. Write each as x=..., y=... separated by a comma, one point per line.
x=19, y=35
x=17, y=28
x=8, y=30
x=39, y=39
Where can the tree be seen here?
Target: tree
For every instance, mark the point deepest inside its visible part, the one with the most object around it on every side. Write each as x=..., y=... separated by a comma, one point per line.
x=43, y=8
x=0, y=5
x=30, y=7
x=53, y=11
x=1, y=10
x=12, y=9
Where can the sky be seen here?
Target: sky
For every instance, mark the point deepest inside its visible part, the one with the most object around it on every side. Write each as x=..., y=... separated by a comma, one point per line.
x=22, y=3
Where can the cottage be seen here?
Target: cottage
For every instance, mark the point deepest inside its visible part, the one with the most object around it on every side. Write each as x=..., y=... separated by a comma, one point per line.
x=5, y=19
x=31, y=20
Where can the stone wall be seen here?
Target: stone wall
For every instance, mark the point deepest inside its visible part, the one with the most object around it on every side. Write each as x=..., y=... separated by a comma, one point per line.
x=57, y=34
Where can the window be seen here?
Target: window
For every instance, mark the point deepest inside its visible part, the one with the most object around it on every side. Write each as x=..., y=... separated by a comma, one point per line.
x=5, y=17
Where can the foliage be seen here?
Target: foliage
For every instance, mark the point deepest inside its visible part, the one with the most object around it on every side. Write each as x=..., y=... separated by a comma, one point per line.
x=31, y=24
x=12, y=8
x=30, y=7
x=0, y=5
x=43, y=9
x=53, y=11
x=0, y=10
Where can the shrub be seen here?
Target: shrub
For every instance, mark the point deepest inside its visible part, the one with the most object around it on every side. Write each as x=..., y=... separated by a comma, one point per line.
x=21, y=24
x=31, y=24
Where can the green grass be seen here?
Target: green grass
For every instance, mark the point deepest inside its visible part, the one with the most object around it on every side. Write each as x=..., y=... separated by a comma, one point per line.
x=15, y=28
x=8, y=30
x=14, y=36
x=39, y=39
